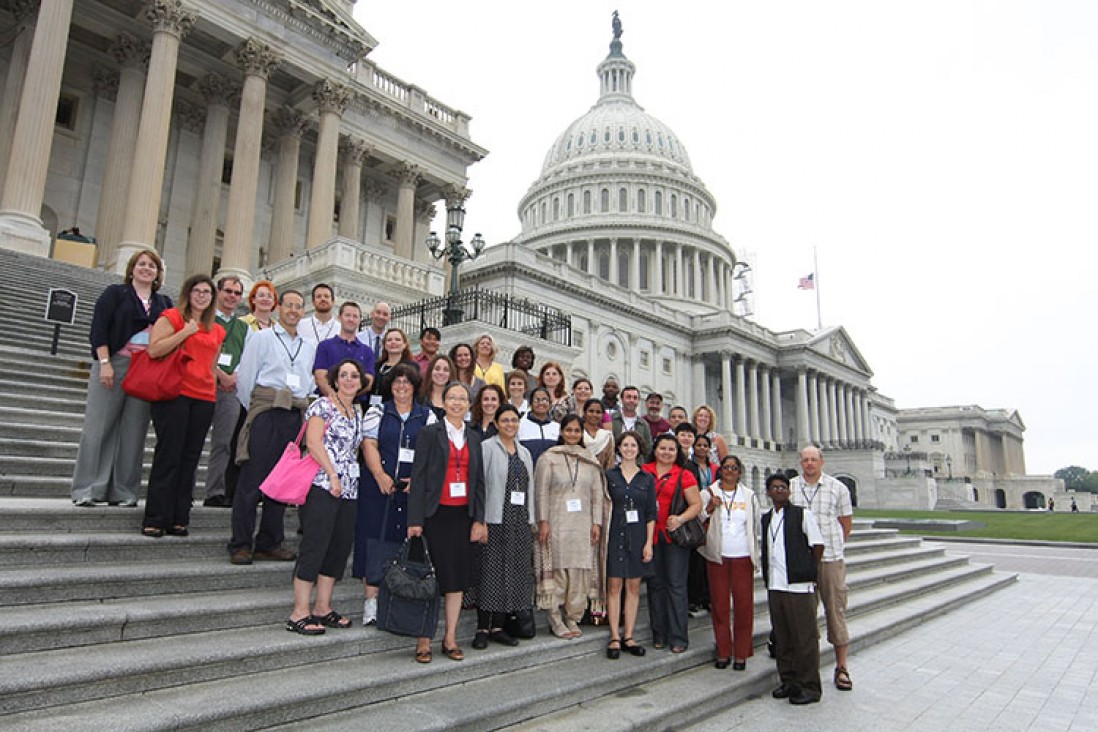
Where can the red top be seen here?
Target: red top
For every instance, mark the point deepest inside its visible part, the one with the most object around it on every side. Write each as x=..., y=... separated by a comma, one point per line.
x=457, y=471
x=203, y=347
x=665, y=491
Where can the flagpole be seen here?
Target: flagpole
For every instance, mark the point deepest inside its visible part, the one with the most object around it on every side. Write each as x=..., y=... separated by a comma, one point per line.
x=816, y=277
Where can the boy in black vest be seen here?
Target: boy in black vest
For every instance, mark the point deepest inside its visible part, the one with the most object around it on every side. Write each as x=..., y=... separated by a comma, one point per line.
x=791, y=548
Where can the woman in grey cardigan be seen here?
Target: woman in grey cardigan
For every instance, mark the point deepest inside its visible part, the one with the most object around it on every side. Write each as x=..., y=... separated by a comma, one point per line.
x=507, y=569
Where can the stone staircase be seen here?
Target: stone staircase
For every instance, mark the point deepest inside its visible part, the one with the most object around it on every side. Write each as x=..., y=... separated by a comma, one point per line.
x=106, y=629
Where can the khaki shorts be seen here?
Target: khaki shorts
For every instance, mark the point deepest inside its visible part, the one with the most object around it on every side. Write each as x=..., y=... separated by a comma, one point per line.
x=831, y=591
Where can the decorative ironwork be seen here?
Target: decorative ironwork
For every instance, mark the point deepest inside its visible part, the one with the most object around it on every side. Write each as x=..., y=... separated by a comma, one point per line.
x=503, y=311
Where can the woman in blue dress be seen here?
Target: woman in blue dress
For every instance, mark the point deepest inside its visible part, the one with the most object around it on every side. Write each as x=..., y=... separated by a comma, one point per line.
x=389, y=448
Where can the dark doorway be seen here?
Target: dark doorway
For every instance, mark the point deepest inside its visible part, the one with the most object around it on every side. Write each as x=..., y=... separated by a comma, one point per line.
x=1000, y=498
x=852, y=486
x=1034, y=499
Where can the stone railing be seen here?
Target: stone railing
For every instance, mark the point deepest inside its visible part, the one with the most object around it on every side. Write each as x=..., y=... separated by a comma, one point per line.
x=410, y=97
x=346, y=254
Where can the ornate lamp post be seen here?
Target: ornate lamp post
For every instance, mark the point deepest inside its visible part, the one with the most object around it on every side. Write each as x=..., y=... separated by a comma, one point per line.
x=907, y=454
x=949, y=465
x=456, y=252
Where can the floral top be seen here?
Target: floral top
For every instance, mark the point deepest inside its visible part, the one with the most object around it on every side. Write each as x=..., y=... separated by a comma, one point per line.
x=342, y=438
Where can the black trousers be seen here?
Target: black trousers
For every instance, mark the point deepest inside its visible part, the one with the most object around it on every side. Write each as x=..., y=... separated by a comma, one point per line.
x=271, y=431
x=181, y=425
x=328, y=530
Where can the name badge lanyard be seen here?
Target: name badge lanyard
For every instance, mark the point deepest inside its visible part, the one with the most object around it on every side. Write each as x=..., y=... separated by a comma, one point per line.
x=327, y=331
x=809, y=499
x=457, y=463
x=775, y=529
x=402, y=443
x=292, y=356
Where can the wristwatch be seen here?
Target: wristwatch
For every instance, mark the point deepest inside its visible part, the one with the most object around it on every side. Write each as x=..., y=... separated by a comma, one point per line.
x=104, y=361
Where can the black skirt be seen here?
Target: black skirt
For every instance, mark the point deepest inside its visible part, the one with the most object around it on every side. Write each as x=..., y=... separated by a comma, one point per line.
x=447, y=535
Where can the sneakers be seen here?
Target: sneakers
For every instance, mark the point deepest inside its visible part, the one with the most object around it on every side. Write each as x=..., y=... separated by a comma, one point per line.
x=369, y=611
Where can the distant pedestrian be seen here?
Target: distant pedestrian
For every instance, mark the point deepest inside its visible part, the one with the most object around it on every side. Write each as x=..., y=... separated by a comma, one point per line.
x=1074, y=507
x=1052, y=504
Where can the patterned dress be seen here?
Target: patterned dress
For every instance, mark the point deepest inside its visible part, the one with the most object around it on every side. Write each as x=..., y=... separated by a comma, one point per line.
x=507, y=569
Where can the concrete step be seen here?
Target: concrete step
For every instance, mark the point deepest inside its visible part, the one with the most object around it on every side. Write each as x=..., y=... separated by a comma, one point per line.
x=20, y=550
x=687, y=701
x=53, y=516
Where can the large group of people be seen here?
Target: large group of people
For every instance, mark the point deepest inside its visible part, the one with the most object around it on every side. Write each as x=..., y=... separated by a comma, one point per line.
x=531, y=491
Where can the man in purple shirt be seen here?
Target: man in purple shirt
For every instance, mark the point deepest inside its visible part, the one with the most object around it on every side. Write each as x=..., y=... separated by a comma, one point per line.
x=345, y=345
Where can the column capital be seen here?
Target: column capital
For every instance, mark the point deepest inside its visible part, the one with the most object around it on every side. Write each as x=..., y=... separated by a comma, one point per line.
x=105, y=83
x=354, y=151
x=425, y=211
x=130, y=52
x=331, y=97
x=190, y=117
x=169, y=16
x=407, y=173
x=218, y=90
x=256, y=58
x=288, y=122
x=455, y=194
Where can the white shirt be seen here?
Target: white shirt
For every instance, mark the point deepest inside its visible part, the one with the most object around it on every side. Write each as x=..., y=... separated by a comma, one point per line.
x=314, y=331
x=271, y=356
x=368, y=336
x=456, y=434
x=734, y=518
x=775, y=545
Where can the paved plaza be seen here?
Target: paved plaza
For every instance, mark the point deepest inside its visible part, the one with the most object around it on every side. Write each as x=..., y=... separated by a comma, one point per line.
x=1024, y=658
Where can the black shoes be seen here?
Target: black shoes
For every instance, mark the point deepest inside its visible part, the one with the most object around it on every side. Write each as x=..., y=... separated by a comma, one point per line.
x=480, y=640
x=722, y=663
x=739, y=666
x=782, y=692
x=803, y=697
x=218, y=502
x=503, y=638
x=613, y=649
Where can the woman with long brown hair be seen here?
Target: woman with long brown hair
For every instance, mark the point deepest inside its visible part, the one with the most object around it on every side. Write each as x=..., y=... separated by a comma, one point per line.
x=440, y=372
x=465, y=368
x=395, y=348
x=181, y=423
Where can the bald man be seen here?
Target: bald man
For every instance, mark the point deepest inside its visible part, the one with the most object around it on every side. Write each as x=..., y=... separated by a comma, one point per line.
x=373, y=334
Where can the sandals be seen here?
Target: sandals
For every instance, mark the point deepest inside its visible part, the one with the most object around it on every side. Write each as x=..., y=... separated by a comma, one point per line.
x=633, y=647
x=152, y=532
x=333, y=620
x=423, y=656
x=613, y=649
x=177, y=531
x=678, y=649
x=302, y=626
x=454, y=654
x=842, y=679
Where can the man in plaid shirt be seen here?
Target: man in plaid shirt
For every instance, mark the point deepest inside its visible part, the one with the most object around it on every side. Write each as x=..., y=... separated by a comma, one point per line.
x=829, y=501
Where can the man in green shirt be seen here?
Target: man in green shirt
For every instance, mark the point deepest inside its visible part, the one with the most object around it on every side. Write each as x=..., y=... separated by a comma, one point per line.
x=228, y=414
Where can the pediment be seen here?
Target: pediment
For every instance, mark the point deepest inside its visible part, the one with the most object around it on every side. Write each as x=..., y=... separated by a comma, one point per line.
x=837, y=345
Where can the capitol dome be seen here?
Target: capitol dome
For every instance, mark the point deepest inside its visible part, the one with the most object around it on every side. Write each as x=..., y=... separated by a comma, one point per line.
x=617, y=198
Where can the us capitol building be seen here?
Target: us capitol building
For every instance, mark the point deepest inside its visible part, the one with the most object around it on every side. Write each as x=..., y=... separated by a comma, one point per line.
x=256, y=137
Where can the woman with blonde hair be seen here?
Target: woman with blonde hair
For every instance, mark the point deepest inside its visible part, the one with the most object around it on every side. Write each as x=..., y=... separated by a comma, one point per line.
x=705, y=422
x=486, y=367
x=112, y=442
x=262, y=300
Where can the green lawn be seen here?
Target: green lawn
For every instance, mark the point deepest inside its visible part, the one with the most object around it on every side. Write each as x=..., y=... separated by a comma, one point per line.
x=1043, y=526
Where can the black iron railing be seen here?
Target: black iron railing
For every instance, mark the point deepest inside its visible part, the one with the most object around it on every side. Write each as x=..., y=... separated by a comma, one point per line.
x=504, y=311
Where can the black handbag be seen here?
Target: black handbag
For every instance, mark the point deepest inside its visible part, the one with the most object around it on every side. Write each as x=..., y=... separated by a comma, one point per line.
x=520, y=624
x=408, y=602
x=691, y=534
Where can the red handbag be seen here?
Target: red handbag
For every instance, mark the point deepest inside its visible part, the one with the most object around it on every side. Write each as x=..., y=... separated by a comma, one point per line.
x=290, y=479
x=155, y=379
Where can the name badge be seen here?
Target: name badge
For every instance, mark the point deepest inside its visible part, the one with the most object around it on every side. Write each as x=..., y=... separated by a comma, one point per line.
x=375, y=399
x=573, y=505
x=225, y=359
x=457, y=490
x=518, y=498
x=293, y=381
x=407, y=455
x=632, y=517
x=353, y=470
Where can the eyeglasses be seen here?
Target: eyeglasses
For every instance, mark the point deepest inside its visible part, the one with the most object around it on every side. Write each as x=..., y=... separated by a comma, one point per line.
x=203, y=293
x=731, y=468
x=237, y=293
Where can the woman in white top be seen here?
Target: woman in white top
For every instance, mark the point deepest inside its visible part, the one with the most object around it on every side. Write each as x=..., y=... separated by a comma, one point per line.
x=732, y=549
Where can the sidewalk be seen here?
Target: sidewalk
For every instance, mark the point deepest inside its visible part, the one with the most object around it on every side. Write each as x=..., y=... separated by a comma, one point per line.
x=1024, y=658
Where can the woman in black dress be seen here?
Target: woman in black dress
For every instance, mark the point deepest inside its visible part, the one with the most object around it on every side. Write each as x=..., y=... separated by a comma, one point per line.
x=507, y=566
x=629, y=549
x=446, y=505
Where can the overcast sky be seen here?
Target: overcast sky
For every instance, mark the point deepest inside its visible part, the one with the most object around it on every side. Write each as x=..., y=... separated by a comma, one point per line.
x=941, y=156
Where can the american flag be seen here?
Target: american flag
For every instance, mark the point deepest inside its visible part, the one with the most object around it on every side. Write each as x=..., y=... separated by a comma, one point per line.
x=808, y=283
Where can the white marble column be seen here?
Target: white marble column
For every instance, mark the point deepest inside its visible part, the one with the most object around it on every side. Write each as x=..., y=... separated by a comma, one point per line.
x=289, y=125
x=856, y=402
x=680, y=271
x=331, y=99
x=614, y=262
x=814, y=407
x=726, y=392
x=840, y=399
x=32, y=138
x=408, y=176
x=354, y=152
x=722, y=287
x=804, y=434
x=698, y=290
x=635, y=267
x=656, y=284
x=257, y=60
x=848, y=404
x=132, y=56
x=592, y=263
x=741, y=397
x=867, y=425
x=832, y=413
x=218, y=92
x=753, y=400
x=425, y=214
x=26, y=15
x=697, y=377
x=569, y=253
x=776, y=401
x=765, y=409
x=825, y=426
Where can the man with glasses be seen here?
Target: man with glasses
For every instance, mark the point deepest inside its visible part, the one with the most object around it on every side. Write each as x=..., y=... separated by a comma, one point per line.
x=829, y=500
x=221, y=470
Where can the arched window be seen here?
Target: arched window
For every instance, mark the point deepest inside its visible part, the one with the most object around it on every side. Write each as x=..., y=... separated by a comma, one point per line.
x=674, y=206
x=642, y=203
x=556, y=208
x=587, y=202
x=659, y=203
x=643, y=272
x=623, y=199
x=544, y=211
x=604, y=200
x=623, y=268
x=685, y=208
x=571, y=205
x=604, y=265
